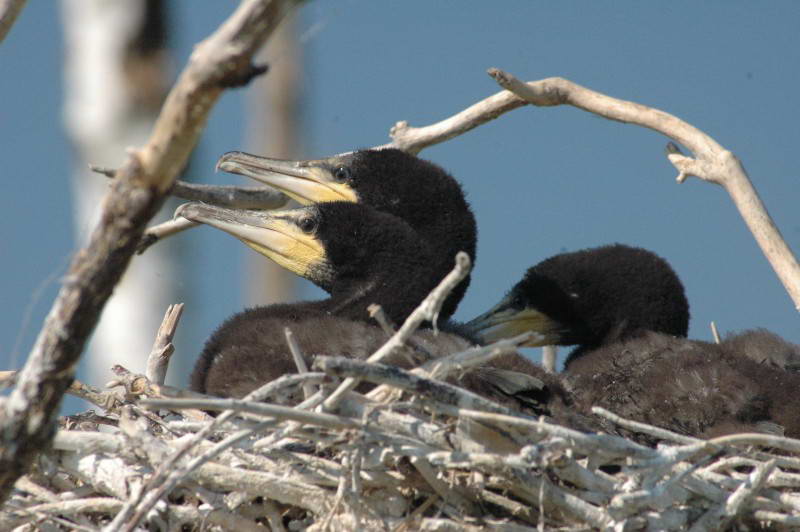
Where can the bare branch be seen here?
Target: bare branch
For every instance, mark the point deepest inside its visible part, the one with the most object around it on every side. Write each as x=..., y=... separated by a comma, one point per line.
x=222, y=60
x=644, y=428
x=720, y=516
x=711, y=161
x=167, y=477
x=299, y=360
x=136, y=384
x=376, y=313
x=415, y=139
x=261, y=409
x=549, y=356
x=715, y=333
x=158, y=361
x=106, y=400
x=9, y=10
x=443, y=367
x=27, y=416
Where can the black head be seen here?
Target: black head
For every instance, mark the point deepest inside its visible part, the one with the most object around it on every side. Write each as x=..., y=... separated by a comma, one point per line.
x=358, y=254
x=591, y=297
x=429, y=199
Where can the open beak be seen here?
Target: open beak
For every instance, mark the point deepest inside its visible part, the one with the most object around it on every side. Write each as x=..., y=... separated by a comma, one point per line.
x=307, y=182
x=274, y=234
x=505, y=321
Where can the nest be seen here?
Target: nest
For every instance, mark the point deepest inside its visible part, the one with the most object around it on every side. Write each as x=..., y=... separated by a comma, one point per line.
x=414, y=453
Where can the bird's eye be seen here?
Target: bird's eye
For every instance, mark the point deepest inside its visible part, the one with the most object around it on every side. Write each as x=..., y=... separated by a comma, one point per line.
x=342, y=174
x=307, y=224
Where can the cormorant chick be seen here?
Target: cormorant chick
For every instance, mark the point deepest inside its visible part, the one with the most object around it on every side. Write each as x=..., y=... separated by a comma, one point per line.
x=765, y=347
x=625, y=307
x=361, y=256
x=429, y=199
x=591, y=298
x=357, y=254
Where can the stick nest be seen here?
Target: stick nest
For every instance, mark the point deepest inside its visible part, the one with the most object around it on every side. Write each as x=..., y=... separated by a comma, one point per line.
x=395, y=459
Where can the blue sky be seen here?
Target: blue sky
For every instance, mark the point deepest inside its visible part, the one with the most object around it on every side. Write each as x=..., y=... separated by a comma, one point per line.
x=541, y=181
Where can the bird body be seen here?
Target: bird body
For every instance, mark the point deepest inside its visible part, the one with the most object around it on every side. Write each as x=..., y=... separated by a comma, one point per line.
x=392, y=247
x=691, y=387
x=250, y=348
x=360, y=255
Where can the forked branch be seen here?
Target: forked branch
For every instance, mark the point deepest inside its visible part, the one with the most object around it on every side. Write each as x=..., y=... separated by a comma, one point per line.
x=711, y=162
x=28, y=415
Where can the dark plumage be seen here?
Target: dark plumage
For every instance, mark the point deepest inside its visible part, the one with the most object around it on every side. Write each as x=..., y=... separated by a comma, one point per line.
x=688, y=386
x=361, y=256
x=765, y=347
x=429, y=199
x=249, y=349
x=591, y=298
x=625, y=308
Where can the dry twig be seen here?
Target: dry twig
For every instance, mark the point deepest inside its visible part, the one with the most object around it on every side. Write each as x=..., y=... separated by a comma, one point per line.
x=159, y=357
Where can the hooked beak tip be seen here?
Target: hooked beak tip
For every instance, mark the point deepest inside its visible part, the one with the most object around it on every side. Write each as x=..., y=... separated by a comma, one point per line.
x=180, y=210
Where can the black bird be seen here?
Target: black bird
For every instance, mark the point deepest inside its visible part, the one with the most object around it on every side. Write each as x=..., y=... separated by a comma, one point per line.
x=626, y=310
x=361, y=256
x=590, y=298
x=429, y=199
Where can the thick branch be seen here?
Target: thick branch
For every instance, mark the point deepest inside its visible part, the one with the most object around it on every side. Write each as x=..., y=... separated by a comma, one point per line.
x=221, y=60
x=9, y=10
x=27, y=416
x=712, y=162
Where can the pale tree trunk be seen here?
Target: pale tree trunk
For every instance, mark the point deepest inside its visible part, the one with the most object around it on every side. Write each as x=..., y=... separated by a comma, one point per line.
x=116, y=77
x=274, y=129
